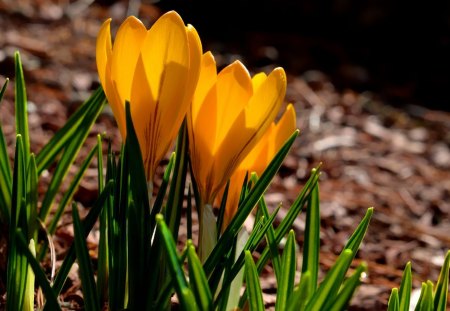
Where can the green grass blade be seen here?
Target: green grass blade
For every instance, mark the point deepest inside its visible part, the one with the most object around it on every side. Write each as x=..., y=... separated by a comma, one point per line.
x=198, y=281
x=247, y=205
x=177, y=186
x=5, y=171
x=69, y=193
x=405, y=288
x=254, y=291
x=328, y=289
x=139, y=234
x=289, y=266
x=253, y=241
x=41, y=278
x=185, y=295
x=441, y=293
x=311, y=247
x=21, y=106
x=86, y=271
x=425, y=302
x=32, y=199
x=88, y=222
x=102, y=270
x=157, y=206
x=356, y=238
x=299, y=297
x=79, y=123
x=292, y=214
x=66, y=160
x=393, y=303
x=348, y=289
x=17, y=265
x=271, y=241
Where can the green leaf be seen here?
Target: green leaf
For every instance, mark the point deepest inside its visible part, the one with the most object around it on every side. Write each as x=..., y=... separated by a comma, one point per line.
x=405, y=289
x=348, y=289
x=299, y=297
x=88, y=285
x=440, y=296
x=393, y=303
x=286, y=281
x=246, y=206
x=358, y=235
x=21, y=106
x=311, y=247
x=5, y=171
x=288, y=220
x=79, y=124
x=328, y=289
x=157, y=206
x=177, y=186
x=185, y=295
x=253, y=241
x=139, y=231
x=271, y=241
x=198, y=281
x=71, y=190
x=425, y=302
x=88, y=223
x=41, y=278
x=254, y=291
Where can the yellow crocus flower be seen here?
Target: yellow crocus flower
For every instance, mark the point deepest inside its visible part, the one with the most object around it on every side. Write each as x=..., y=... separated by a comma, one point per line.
x=230, y=112
x=258, y=159
x=156, y=70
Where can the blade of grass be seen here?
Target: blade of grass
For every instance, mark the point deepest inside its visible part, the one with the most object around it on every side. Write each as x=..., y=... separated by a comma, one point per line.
x=289, y=265
x=299, y=297
x=348, y=289
x=88, y=285
x=5, y=171
x=69, y=155
x=81, y=121
x=329, y=287
x=21, y=106
x=197, y=280
x=41, y=279
x=254, y=291
x=405, y=288
x=184, y=293
x=393, y=303
x=441, y=293
x=311, y=247
x=88, y=223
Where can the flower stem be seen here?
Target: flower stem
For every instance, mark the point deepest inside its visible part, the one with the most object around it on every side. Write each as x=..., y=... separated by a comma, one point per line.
x=207, y=237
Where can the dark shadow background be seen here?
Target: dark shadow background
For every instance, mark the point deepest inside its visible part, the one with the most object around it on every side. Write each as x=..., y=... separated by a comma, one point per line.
x=397, y=49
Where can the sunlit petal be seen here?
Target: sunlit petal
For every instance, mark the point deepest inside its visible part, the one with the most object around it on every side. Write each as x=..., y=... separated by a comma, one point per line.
x=103, y=50
x=126, y=49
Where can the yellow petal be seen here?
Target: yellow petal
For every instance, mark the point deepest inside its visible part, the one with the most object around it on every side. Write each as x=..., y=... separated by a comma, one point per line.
x=284, y=129
x=195, y=58
x=234, y=89
x=126, y=49
x=265, y=103
x=104, y=59
x=258, y=79
x=207, y=79
x=142, y=107
x=103, y=49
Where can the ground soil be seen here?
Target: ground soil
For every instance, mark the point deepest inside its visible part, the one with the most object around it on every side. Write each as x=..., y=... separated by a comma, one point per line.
x=371, y=153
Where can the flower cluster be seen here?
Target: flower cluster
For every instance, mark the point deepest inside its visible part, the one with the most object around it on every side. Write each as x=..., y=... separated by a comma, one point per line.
x=165, y=76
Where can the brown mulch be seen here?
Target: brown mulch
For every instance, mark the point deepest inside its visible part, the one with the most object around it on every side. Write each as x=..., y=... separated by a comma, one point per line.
x=371, y=154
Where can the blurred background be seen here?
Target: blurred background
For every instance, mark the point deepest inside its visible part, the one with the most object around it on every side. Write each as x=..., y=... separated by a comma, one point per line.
x=398, y=49
x=369, y=80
